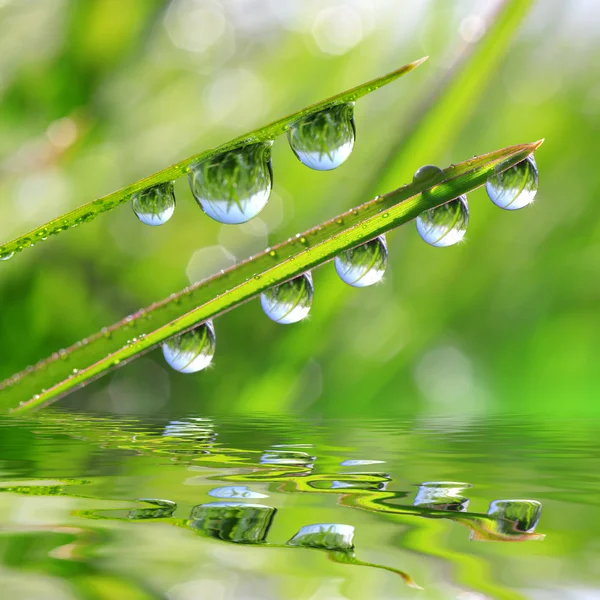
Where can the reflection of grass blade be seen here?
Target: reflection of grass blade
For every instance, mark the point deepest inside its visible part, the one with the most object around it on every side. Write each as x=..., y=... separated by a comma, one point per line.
x=144, y=330
x=348, y=558
x=91, y=210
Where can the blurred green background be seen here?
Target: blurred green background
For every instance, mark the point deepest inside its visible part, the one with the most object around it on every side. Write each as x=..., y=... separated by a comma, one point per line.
x=96, y=94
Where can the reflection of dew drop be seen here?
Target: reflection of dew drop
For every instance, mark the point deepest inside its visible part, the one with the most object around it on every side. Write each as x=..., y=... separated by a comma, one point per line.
x=286, y=457
x=324, y=140
x=516, y=187
x=443, y=495
x=363, y=265
x=191, y=351
x=444, y=225
x=327, y=536
x=235, y=522
x=240, y=491
x=516, y=516
x=356, y=463
x=289, y=302
x=161, y=509
x=154, y=205
x=233, y=187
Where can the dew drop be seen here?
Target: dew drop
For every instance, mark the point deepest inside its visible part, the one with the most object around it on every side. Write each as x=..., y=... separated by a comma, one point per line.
x=324, y=140
x=363, y=265
x=428, y=174
x=289, y=302
x=191, y=351
x=444, y=225
x=233, y=187
x=516, y=187
x=6, y=255
x=154, y=205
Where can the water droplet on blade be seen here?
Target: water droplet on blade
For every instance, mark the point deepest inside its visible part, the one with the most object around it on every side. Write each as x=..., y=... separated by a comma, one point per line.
x=6, y=255
x=289, y=302
x=191, y=351
x=516, y=187
x=444, y=225
x=363, y=265
x=428, y=174
x=324, y=140
x=233, y=187
x=154, y=205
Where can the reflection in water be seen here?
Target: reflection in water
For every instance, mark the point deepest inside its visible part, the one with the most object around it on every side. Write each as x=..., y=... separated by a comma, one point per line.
x=516, y=516
x=443, y=495
x=235, y=522
x=287, y=457
x=235, y=491
x=231, y=473
x=327, y=536
x=161, y=509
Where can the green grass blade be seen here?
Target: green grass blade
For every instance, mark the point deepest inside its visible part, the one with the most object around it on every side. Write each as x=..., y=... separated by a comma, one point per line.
x=69, y=369
x=88, y=212
x=444, y=113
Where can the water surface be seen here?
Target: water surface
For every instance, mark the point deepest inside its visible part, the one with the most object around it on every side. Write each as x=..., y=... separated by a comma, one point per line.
x=284, y=508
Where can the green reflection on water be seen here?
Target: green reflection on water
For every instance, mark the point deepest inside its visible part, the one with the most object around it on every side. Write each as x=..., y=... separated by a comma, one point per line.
x=125, y=504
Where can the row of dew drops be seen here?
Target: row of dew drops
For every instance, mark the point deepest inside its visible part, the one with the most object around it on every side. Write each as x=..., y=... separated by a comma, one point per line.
x=234, y=187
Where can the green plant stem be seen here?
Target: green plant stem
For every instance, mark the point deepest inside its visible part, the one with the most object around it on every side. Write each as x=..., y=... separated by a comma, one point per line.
x=91, y=210
x=87, y=360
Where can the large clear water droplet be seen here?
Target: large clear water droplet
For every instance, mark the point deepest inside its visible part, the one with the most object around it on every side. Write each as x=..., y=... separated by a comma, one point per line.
x=444, y=225
x=289, y=302
x=428, y=174
x=326, y=536
x=191, y=351
x=516, y=187
x=154, y=205
x=443, y=495
x=324, y=140
x=6, y=255
x=233, y=187
x=363, y=265
x=516, y=516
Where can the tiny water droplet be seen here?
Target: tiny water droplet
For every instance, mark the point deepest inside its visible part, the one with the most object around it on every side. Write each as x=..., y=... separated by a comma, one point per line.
x=324, y=140
x=303, y=240
x=191, y=351
x=6, y=255
x=516, y=187
x=272, y=253
x=428, y=174
x=154, y=205
x=233, y=187
x=339, y=221
x=385, y=215
x=289, y=302
x=364, y=265
x=444, y=225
